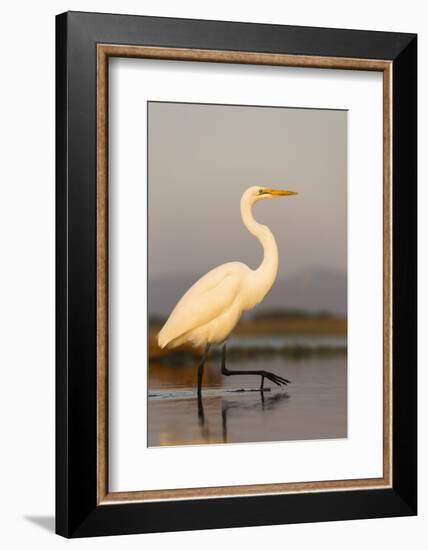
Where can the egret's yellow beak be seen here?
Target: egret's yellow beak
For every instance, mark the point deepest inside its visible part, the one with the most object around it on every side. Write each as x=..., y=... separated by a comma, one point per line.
x=278, y=192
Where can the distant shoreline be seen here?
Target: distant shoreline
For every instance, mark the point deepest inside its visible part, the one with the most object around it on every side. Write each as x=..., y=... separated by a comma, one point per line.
x=326, y=326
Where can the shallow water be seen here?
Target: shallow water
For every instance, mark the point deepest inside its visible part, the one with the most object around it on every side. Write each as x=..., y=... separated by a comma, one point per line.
x=313, y=406
x=284, y=342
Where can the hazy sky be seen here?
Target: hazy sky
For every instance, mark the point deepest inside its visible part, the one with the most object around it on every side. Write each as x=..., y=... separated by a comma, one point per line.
x=202, y=158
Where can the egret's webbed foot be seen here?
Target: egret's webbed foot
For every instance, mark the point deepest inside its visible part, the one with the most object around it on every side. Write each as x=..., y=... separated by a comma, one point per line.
x=275, y=378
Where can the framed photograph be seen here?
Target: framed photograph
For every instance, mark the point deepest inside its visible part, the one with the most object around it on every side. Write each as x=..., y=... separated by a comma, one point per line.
x=236, y=274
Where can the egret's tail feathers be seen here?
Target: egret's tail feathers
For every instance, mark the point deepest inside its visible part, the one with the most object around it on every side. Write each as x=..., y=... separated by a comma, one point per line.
x=168, y=339
x=163, y=339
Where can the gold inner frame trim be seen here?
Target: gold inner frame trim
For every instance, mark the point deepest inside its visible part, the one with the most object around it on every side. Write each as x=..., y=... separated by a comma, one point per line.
x=104, y=51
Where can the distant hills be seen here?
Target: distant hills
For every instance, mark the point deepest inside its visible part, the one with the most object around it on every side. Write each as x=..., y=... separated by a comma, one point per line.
x=311, y=291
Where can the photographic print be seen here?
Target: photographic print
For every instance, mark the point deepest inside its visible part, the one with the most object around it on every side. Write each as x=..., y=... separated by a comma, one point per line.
x=247, y=274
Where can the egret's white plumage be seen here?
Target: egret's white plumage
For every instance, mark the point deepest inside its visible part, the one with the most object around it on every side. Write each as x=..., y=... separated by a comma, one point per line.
x=208, y=312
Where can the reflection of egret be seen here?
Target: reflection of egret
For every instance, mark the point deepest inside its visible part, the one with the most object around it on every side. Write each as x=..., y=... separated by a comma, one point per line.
x=247, y=403
x=210, y=309
x=265, y=404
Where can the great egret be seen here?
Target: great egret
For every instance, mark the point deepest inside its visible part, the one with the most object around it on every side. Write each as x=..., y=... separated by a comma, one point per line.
x=208, y=312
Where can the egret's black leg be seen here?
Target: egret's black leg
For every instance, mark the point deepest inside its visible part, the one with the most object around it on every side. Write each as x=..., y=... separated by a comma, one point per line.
x=203, y=424
x=224, y=421
x=278, y=380
x=223, y=361
x=201, y=414
x=201, y=368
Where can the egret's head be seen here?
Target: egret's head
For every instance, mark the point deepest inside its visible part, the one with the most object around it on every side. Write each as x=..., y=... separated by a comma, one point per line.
x=256, y=193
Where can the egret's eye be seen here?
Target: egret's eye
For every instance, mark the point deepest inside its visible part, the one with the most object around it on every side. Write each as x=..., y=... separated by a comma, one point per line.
x=261, y=191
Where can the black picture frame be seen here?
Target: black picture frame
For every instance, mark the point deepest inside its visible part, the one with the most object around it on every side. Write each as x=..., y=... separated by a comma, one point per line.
x=77, y=511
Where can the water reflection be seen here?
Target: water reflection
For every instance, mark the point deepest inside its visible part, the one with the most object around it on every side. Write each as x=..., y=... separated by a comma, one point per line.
x=264, y=404
x=260, y=403
x=313, y=407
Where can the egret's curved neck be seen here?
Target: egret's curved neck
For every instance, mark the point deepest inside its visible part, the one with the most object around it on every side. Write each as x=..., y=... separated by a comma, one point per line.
x=267, y=271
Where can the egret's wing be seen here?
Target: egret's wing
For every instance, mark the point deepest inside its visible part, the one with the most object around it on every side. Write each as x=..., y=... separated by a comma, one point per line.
x=208, y=298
